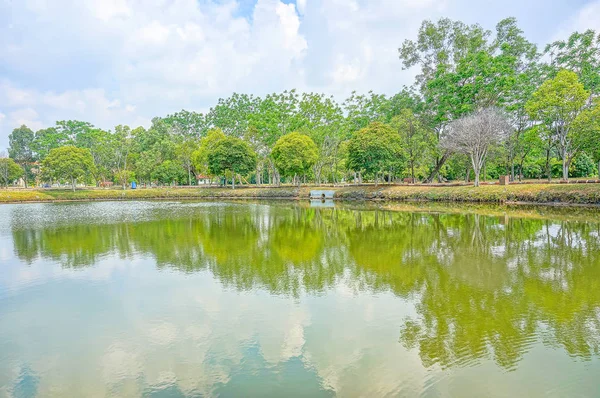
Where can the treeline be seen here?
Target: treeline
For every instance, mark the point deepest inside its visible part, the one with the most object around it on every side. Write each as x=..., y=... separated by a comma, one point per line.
x=483, y=104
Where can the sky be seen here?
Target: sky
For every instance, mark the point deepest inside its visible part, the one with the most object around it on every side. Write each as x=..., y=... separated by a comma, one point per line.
x=116, y=62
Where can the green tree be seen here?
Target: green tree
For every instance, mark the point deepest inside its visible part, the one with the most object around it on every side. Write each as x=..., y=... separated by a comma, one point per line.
x=190, y=125
x=200, y=155
x=68, y=162
x=417, y=140
x=9, y=170
x=231, y=156
x=294, y=154
x=580, y=53
x=557, y=104
x=20, y=143
x=168, y=172
x=48, y=139
x=374, y=149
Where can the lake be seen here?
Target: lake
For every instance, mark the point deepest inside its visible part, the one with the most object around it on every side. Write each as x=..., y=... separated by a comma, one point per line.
x=190, y=299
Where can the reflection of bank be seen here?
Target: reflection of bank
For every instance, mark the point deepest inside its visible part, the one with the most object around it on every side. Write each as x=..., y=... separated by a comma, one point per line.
x=322, y=203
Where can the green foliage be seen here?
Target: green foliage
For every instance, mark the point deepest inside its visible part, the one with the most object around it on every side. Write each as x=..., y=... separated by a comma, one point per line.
x=200, y=156
x=168, y=172
x=231, y=156
x=294, y=154
x=557, y=104
x=417, y=140
x=375, y=149
x=69, y=163
x=21, y=149
x=9, y=171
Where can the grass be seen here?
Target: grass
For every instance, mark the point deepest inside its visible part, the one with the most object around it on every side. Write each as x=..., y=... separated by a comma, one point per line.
x=526, y=193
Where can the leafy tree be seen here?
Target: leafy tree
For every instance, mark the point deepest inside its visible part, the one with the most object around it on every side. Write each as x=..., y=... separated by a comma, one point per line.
x=168, y=172
x=374, y=149
x=200, y=155
x=580, y=53
x=294, y=154
x=68, y=162
x=417, y=140
x=20, y=149
x=232, y=115
x=557, y=104
x=99, y=143
x=48, y=139
x=190, y=125
x=9, y=170
x=184, y=151
x=231, y=156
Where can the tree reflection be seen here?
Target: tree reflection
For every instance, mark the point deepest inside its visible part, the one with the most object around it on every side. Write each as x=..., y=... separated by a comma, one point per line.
x=483, y=286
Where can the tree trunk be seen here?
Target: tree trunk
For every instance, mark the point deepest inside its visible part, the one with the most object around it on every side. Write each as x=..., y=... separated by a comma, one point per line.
x=233, y=181
x=599, y=169
x=548, y=171
x=566, y=163
x=468, y=173
x=73, y=184
x=439, y=162
x=512, y=170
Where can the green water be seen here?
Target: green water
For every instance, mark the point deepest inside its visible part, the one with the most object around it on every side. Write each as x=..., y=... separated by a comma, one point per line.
x=162, y=299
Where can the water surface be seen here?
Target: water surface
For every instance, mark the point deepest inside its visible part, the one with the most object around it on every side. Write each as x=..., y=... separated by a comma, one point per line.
x=166, y=299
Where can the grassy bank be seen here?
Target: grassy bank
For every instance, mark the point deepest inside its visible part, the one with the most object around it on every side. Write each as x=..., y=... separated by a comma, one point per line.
x=528, y=193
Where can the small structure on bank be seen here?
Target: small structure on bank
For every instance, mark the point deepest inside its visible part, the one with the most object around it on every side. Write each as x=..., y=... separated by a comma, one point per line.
x=504, y=180
x=203, y=180
x=321, y=194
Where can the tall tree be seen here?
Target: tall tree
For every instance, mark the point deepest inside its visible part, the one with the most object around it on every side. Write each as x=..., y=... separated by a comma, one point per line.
x=20, y=143
x=438, y=51
x=68, y=162
x=294, y=155
x=9, y=170
x=417, y=140
x=557, y=104
x=231, y=156
x=580, y=53
x=374, y=150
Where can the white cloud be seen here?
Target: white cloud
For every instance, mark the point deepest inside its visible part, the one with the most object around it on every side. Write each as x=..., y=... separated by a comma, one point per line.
x=125, y=61
x=588, y=17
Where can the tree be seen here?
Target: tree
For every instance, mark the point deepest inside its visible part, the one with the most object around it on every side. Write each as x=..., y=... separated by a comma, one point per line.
x=20, y=149
x=68, y=162
x=231, y=155
x=580, y=53
x=417, y=140
x=9, y=170
x=294, y=154
x=98, y=142
x=48, y=139
x=587, y=126
x=168, y=172
x=475, y=133
x=557, y=104
x=185, y=151
x=190, y=125
x=374, y=149
x=200, y=155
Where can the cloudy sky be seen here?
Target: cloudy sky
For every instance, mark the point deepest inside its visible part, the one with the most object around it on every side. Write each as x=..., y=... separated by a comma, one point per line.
x=125, y=61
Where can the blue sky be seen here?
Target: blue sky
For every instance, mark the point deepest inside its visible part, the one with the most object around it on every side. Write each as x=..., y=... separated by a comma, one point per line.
x=125, y=61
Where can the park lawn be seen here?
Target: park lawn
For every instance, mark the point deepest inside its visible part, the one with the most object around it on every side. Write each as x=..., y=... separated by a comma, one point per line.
x=527, y=193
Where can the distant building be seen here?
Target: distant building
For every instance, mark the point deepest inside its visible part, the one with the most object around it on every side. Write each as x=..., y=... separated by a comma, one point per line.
x=203, y=180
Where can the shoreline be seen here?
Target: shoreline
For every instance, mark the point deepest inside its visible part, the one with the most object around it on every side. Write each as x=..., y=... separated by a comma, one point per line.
x=560, y=195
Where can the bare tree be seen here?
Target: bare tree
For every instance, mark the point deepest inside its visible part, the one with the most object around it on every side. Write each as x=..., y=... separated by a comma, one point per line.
x=475, y=133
